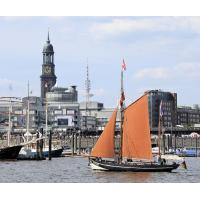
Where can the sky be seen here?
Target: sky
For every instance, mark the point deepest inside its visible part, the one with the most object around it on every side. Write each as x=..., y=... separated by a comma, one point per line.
x=160, y=53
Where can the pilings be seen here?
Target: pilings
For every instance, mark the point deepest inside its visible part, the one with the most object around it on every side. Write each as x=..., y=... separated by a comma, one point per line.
x=196, y=145
x=37, y=146
x=72, y=143
x=41, y=143
x=50, y=144
x=75, y=142
x=79, y=142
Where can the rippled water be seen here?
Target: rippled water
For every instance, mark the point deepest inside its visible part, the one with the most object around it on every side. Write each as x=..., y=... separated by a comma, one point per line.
x=76, y=169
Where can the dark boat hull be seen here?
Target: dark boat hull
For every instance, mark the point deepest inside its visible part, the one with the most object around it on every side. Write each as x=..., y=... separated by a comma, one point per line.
x=10, y=153
x=56, y=153
x=132, y=167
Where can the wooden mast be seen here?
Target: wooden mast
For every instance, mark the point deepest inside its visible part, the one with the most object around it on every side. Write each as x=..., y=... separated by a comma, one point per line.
x=159, y=136
x=159, y=129
x=121, y=116
x=122, y=110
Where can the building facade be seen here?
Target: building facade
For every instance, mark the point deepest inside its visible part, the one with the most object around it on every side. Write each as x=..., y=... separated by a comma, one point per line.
x=89, y=111
x=36, y=112
x=188, y=116
x=169, y=106
x=94, y=116
x=14, y=108
x=63, y=108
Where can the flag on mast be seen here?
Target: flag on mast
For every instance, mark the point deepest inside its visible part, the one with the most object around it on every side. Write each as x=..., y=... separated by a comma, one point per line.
x=122, y=89
x=122, y=98
x=123, y=65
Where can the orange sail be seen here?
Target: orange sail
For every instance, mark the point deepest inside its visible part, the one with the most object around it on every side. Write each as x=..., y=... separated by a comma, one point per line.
x=104, y=147
x=136, y=131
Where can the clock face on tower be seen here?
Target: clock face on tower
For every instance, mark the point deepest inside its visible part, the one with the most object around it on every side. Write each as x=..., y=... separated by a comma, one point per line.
x=47, y=70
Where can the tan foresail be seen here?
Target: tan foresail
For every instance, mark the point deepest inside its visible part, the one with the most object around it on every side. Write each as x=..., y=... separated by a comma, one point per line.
x=104, y=147
x=136, y=131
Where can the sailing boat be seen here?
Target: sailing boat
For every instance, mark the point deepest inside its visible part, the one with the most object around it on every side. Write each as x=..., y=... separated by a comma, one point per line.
x=9, y=152
x=135, y=152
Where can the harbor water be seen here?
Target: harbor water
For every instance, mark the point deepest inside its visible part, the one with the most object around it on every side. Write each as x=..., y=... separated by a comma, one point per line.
x=76, y=169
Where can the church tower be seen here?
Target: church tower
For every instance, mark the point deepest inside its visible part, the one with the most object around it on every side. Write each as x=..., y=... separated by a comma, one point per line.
x=48, y=77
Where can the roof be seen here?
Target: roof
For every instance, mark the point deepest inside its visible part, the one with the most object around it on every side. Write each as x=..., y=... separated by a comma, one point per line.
x=48, y=47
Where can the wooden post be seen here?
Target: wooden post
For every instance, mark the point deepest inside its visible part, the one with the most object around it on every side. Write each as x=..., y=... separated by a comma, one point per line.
x=171, y=138
x=38, y=147
x=87, y=141
x=196, y=145
x=92, y=141
x=168, y=141
x=41, y=144
x=64, y=140
x=72, y=143
x=175, y=143
x=79, y=145
x=50, y=139
x=182, y=143
x=163, y=143
x=75, y=142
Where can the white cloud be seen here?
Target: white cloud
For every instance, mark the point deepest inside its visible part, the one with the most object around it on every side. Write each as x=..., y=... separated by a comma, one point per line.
x=155, y=73
x=182, y=70
x=153, y=24
x=188, y=70
x=5, y=81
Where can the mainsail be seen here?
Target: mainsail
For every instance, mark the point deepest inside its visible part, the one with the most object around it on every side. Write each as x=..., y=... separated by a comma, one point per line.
x=104, y=147
x=136, y=131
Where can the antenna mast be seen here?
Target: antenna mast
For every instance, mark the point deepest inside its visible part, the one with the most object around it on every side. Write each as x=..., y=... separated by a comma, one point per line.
x=87, y=93
x=28, y=116
x=87, y=84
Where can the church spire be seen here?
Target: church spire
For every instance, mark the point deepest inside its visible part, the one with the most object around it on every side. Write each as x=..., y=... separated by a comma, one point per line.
x=48, y=77
x=48, y=40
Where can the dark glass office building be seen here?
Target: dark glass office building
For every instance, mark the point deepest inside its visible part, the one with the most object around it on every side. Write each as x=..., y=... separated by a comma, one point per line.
x=169, y=105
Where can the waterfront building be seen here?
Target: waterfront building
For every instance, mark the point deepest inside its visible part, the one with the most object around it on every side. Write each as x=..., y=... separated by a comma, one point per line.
x=63, y=108
x=89, y=110
x=19, y=110
x=94, y=116
x=48, y=77
x=36, y=112
x=188, y=116
x=88, y=123
x=169, y=105
x=16, y=114
x=103, y=117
